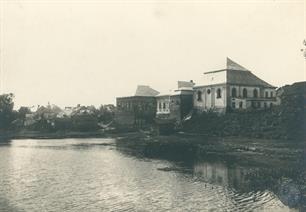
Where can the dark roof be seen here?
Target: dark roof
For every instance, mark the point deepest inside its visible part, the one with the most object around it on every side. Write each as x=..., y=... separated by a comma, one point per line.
x=245, y=78
x=239, y=75
x=144, y=90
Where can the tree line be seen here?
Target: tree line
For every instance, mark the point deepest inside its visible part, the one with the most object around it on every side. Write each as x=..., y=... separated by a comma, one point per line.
x=52, y=117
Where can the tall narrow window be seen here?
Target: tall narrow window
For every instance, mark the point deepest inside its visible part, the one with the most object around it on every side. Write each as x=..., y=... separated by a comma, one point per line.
x=240, y=104
x=245, y=93
x=267, y=94
x=199, y=95
x=271, y=94
x=160, y=105
x=255, y=93
x=164, y=105
x=218, y=93
x=234, y=92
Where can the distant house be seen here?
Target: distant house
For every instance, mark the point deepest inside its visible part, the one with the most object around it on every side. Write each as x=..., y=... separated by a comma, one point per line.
x=233, y=88
x=177, y=104
x=137, y=109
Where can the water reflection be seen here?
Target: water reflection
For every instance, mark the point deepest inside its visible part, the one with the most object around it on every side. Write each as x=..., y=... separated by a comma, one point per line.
x=258, y=185
x=91, y=175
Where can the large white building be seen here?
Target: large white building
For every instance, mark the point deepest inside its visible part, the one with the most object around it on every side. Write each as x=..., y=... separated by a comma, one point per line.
x=232, y=88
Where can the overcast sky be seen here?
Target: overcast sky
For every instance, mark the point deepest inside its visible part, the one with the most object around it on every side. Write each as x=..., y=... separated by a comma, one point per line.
x=89, y=52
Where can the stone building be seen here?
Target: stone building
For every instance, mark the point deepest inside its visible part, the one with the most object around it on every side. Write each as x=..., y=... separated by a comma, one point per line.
x=138, y=109
x=177, y=104
x=233, y=88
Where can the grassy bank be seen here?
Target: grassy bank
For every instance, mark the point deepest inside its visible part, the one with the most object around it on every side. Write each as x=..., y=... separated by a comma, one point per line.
x=185, y=146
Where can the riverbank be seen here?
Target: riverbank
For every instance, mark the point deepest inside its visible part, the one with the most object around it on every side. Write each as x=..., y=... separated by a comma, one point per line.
x=186, y=144
x=282, y=162
x=181, y=145
x=279, y=159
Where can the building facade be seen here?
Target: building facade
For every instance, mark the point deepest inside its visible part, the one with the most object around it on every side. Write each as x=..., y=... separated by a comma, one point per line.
x=233, y=88
x=177, y=104
x=138, y=109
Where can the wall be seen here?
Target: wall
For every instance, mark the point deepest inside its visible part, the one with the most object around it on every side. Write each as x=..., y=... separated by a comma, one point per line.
x=138, y=110
x=209, y=98
x=177, y=106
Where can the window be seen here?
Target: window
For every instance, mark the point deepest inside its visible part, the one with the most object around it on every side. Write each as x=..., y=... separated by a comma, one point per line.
x=267, y=94
x=271, y=94
x=160, y=105
x=240, y=104
x=208, y=91
x=164, y=105
x=245, y=93
x=271, y=105
x=265, y=105
x=199, y=95
x=218, y=93
x=233, y=105
x=255, y=93
x=234, y=92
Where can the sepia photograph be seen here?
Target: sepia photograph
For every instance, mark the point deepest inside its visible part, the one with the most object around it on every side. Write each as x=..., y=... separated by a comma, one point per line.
x=152, y=105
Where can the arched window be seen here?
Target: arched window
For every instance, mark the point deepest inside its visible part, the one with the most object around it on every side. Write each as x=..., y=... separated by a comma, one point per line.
x=218, y=93
x=240, y=104
x=255, y=93
x=199, y=95
x=245, y=93
x=234, y=92
x=208, y=91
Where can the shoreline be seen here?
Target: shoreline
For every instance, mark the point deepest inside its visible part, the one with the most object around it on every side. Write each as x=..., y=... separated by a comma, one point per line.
x=281, y=158
x=187, y=145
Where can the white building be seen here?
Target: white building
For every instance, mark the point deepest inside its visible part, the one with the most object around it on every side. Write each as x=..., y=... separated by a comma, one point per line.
x=233, y=88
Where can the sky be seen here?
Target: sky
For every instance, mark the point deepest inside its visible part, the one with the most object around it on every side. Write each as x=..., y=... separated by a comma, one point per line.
x=90, y=52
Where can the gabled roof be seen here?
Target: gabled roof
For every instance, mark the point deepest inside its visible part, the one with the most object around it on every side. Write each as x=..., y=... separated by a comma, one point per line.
x=245, y=78
x=237, y=74
x=231, y=65
x=144, y=90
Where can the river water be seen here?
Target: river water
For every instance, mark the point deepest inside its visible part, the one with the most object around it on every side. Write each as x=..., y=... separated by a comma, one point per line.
x=94, y=175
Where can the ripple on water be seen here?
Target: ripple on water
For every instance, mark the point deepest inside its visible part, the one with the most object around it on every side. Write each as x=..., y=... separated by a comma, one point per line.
x=86, y=175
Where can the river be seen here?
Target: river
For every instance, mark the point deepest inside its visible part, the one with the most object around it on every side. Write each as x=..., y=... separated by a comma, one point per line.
x=96, y=175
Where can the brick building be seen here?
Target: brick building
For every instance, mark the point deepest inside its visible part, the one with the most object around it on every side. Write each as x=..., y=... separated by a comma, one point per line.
x=138, y=109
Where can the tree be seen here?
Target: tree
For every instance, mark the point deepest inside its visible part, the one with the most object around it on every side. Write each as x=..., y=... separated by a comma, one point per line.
x=6, y=110
x=22, y=112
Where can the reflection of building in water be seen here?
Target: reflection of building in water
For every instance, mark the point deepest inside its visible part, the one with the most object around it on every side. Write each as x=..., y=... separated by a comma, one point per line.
x=220, y=174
